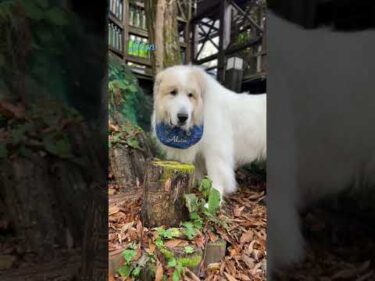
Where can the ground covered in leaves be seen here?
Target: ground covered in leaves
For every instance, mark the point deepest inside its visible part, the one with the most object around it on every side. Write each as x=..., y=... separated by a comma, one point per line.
x=241, y=223
x=340, y=246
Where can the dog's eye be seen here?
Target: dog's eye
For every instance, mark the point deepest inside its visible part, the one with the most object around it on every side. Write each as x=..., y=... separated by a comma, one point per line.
x=173, y=93
x=190, y=95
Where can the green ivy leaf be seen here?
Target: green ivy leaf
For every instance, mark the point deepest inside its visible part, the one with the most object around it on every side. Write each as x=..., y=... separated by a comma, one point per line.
x=132, y=88
x=60, y=147
x=121, y=84
x=136, y=271
x=189, y=230
x=124, y=271
x=172, y=262
x=176, y=276
x=133, y=143
x=189, y=250
x=171, y=233
x=214, y=199
x=192, y=202
x=159, y=243
x=205, y=186
x=129, y=254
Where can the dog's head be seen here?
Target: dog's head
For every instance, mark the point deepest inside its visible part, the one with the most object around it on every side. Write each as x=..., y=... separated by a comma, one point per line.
x=178, y=96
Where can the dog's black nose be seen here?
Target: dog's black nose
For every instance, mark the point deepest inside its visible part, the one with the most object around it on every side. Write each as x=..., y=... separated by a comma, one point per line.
x=182, y=117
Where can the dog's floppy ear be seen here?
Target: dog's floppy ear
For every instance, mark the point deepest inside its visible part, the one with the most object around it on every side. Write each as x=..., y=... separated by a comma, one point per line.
x=198, y=75
x=157, y=82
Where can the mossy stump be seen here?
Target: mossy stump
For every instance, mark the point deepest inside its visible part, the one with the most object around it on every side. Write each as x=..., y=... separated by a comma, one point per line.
x=165, y=184
x=190, y=260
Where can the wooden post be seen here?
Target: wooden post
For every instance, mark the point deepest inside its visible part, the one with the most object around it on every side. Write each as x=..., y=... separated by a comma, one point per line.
x=165, y=184
x=215, y=251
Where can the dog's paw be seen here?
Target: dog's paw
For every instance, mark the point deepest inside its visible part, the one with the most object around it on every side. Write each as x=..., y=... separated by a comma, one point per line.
x=230, y=188
x=285, y=251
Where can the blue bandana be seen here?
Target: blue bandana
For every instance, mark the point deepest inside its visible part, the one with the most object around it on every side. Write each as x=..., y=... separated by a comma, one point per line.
x=177, y=137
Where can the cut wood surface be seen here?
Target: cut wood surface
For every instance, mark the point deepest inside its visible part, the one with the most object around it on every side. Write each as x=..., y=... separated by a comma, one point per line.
x=165, y=184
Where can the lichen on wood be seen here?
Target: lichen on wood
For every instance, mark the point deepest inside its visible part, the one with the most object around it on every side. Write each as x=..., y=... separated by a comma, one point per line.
x=165, y=184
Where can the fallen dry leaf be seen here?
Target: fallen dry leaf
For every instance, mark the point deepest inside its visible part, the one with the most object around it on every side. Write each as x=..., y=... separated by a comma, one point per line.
x=176, y=243
x=229, y=277
x=159, y=272
x=168, y=185
x=247, y=236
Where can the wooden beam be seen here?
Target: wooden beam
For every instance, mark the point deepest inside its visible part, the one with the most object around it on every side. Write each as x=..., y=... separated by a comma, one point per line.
x=254, y=24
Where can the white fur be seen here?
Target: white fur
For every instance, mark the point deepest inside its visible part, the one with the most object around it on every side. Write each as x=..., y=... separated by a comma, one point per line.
x=322, y=136
x=234, y=130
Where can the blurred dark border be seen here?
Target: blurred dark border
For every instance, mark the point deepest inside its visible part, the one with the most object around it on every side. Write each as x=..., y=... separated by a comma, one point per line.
x=54, y=208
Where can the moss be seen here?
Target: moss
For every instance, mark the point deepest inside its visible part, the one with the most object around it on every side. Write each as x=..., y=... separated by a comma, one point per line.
x=167, y=253
x=172, y=167
x=218, y=243
x=190, y=261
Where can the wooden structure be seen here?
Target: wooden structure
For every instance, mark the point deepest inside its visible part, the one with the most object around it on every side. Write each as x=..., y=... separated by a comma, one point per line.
x=230, y=28
x=127, y=25
x=211, y=32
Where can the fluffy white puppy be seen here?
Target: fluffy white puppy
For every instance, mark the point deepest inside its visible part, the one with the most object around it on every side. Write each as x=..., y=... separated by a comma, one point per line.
x=234, y=125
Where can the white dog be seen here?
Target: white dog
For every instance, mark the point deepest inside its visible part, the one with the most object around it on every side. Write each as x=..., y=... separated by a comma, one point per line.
x=322, y=136
x=233, y=125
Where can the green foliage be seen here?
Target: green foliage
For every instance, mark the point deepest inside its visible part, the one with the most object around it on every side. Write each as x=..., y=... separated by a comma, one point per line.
x=130, y=267
x=127, y=101
x=214, y=199
x=189, y=250
x=211, y=196
x=33, y=35
x=202, y=208
x=40, y=129
x=169, y=233
x=125, y=135
x=129, y=254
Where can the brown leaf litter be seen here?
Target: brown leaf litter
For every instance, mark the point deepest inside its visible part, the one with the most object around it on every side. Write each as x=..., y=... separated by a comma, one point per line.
x=245, y=233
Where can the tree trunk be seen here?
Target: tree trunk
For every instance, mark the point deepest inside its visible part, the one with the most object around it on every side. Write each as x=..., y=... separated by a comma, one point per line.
x=49, y=202
x=128, y=164
x=166, y=183
x=163, y=33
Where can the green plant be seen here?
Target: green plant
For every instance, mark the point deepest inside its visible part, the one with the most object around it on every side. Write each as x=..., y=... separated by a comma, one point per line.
x=127, y=101
x=177, y=264
x=40, y=128
x=34, y=33
x=126, y=134
x=132, y=268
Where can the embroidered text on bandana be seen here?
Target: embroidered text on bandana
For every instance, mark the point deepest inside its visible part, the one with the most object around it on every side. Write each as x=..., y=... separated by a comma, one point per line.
x=177, y=137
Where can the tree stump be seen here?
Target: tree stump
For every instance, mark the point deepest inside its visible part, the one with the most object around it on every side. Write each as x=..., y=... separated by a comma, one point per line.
x=191, y=261
x=165, y=184
x=128, y=164
x=215, y=251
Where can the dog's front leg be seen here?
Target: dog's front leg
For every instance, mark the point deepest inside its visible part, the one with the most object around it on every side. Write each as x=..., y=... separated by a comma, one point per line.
x=220, y=170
